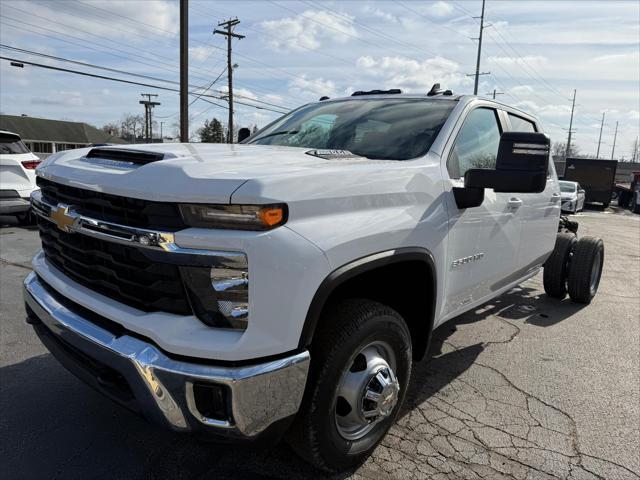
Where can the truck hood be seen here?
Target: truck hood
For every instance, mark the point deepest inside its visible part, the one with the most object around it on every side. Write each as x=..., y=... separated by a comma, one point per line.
x=204, y=173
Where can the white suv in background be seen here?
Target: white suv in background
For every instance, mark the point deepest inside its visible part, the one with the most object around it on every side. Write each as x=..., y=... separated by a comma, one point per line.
x=17, y=176
x=572, y=196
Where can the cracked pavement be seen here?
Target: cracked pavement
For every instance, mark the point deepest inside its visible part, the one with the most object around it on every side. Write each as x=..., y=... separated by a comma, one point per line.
x=524, y=387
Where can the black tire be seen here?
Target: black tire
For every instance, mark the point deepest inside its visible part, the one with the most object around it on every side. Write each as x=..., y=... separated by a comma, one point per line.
x=635, y=207
x=586, y=269
x=345, y=329
x=556, y=267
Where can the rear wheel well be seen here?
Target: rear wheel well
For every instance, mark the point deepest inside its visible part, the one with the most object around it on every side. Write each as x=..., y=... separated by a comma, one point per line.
x=407, y=286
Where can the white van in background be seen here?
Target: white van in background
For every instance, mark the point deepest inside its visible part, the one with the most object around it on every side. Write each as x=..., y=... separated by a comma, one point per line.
x=17, y=176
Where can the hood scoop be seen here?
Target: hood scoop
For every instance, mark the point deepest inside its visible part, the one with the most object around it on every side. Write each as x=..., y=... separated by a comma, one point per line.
x=125, y=155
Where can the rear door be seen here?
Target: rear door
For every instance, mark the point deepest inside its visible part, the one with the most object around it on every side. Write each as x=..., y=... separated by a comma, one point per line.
x=483, y=241
x=539, y=211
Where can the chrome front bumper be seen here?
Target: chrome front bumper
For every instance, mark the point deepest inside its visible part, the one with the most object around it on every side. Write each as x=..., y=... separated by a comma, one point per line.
x=160, y=387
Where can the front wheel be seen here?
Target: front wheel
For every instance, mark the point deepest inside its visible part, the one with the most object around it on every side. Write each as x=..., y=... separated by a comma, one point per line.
x=361, y=364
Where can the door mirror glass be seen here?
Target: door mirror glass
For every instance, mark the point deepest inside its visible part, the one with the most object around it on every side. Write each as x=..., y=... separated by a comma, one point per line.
x=521, y=165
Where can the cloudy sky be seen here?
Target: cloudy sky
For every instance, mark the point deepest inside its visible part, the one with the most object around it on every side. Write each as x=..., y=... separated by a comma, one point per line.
x=296, y=51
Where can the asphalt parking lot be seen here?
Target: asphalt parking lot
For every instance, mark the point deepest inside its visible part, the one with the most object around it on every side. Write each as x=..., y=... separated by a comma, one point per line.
x=525, y=387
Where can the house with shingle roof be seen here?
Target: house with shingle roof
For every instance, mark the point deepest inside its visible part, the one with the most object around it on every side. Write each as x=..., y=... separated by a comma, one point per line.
x=44, y=136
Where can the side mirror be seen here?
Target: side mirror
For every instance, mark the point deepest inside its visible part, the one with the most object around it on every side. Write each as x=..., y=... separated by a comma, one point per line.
x=521, y=166
x=243, y=134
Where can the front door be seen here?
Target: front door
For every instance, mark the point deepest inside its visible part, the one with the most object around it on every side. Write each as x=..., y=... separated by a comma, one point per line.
x=483, y=241
x=540, y=212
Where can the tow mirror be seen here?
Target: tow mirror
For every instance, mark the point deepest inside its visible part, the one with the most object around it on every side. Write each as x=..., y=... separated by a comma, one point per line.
x=521, y=167
x=243, y=134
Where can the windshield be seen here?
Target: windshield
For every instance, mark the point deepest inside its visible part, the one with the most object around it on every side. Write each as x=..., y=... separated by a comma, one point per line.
x=567, y=187
x=12, y=144
x=389, y=129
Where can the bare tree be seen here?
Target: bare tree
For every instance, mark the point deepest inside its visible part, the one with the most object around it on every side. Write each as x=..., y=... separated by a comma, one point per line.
x=112, y=129
x=131, y=127
x=558, y=150
x=635, y=151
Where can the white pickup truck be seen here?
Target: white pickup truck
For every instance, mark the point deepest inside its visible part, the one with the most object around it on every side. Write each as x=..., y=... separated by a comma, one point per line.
x=286, y=284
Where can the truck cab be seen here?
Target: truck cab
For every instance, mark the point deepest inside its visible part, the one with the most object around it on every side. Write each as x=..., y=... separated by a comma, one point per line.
x=286, y=284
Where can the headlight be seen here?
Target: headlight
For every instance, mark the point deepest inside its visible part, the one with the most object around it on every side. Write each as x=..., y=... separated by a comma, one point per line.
x=235, y=217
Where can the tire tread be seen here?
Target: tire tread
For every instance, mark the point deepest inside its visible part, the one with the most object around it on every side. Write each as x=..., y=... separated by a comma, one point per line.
x=554, y=276
x=341, y=322
x=579, y=284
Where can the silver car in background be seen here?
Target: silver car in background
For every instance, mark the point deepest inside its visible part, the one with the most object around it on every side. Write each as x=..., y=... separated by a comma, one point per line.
x=572, y=196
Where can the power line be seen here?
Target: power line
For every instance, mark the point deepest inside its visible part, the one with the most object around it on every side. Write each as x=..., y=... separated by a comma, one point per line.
x=416, y=12
x=375, y=31
x=209, y=86
x=124, y=72
x=104, y=77
x=84, y=64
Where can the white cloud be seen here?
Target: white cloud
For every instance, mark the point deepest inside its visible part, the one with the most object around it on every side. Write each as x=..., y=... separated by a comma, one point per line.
x=383, y=14
x=62, y=98
x=537, y=62
x=201, y=53
x=308, y=30
x=440, y=9
x=113, y=19
x=548, y=110
x=521, y=90
x=412, y=75
x=312, y=88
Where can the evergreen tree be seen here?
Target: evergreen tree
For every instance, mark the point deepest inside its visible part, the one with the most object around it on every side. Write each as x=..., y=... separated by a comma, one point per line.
x=212, y=132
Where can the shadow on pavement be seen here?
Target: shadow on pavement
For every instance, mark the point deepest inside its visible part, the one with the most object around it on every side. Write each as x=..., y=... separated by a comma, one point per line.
x=54, y=426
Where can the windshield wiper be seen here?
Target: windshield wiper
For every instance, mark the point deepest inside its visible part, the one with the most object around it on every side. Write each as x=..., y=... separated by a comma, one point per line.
x=282, y=132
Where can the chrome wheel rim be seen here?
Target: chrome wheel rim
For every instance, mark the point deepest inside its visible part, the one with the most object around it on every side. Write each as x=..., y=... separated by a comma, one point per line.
x=368, y=391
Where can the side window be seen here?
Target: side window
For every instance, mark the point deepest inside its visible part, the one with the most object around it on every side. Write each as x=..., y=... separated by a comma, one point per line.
x=476, y=145
x=519, y=124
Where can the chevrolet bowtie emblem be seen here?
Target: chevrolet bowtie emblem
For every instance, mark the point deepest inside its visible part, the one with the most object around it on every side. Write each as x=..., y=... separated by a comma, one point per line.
x=63, y=217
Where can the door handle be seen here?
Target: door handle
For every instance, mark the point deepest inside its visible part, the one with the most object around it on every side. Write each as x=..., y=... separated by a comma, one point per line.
x=555, y=197
x=514, y=203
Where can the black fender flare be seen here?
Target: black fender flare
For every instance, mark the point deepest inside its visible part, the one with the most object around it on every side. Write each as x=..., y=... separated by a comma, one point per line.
x=362, y=265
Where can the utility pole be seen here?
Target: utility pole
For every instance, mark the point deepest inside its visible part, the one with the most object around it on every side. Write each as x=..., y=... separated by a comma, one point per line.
x=148, y=119
x=161, y=136
x=184, y=70
x=228, y=25
x=477, y=74
x=573, y=106
x=495, y=92
x=600, y=137
x=615, y=135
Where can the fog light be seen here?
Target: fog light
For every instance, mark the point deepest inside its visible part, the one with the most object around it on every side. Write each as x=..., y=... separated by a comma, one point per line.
x=219, y=295
x=232, y=292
